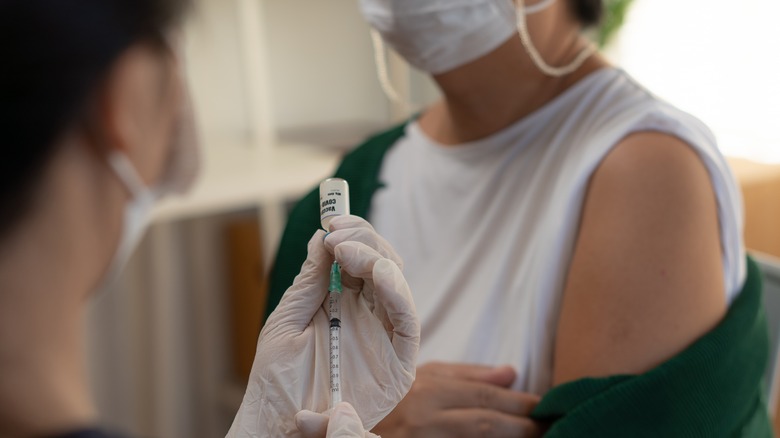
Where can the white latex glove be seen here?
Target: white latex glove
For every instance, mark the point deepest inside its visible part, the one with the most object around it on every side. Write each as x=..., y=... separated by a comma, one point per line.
x=340, y=422
x=380, y=337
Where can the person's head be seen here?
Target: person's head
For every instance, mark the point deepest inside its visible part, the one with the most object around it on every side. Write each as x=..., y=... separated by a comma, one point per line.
x=438, y=36
x=92, y=82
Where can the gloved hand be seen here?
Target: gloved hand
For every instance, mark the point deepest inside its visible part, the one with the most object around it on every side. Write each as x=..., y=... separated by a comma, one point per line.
x=379, y=337
x=340, y=422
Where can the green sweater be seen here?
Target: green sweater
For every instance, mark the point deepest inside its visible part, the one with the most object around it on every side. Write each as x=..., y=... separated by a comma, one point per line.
x=712, y=389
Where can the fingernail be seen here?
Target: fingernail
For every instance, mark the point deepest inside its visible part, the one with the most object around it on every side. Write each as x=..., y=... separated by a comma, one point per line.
x=384, y=266
x=345, y=253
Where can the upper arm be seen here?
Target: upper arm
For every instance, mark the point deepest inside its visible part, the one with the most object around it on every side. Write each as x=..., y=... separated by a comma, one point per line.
x=646, y=277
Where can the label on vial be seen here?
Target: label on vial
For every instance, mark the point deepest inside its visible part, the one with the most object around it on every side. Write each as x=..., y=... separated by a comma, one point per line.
x=334, y=200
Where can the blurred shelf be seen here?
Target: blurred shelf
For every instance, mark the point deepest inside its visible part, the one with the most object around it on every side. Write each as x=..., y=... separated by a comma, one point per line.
x=237, y=175
x=340, y=137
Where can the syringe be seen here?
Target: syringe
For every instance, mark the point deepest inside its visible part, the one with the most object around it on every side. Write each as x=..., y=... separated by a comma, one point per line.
x=334, y=201
x=334, y=314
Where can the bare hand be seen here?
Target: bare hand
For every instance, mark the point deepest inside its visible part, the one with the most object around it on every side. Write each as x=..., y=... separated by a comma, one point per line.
x=458, y=400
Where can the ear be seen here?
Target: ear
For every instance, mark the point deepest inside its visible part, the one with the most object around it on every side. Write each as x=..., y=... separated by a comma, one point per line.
x=134, y=109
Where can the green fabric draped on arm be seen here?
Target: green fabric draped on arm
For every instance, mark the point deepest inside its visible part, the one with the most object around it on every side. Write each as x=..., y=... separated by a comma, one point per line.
x=712, y=389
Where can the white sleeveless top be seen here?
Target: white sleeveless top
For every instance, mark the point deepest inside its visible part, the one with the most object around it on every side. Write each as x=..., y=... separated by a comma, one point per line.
x=487, y=229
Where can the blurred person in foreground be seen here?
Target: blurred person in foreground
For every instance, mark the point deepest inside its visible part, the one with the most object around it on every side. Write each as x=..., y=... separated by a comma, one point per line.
x=96, y=128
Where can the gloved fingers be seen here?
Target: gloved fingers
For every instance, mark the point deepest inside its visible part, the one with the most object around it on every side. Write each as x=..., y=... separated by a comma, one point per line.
x=357, y=259
x=349, y=221
x=345, y=423
x=341, y=422
x=309, y=290
x=393, y=292
x=311, y=424
x=354, y=228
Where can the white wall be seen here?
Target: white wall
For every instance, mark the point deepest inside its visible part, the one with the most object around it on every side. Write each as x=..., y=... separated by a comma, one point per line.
x=215, y=68
x=717, y=59
x=322, y=69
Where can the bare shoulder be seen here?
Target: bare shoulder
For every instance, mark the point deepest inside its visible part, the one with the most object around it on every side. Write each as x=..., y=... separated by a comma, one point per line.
x=646, y=277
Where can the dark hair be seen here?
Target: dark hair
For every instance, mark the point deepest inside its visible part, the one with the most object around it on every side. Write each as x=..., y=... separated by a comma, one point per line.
x=53, y=55
x=589, y=12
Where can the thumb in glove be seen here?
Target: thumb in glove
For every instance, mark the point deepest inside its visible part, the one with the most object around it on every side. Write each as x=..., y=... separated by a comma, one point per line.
x=339, y=422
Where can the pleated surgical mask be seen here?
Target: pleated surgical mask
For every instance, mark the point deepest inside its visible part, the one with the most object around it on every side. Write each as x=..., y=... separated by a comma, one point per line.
x=440, y=35
x=437, y=36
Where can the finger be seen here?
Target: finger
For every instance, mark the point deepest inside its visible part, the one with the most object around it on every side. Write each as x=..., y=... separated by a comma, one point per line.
x=365, y=236
x=502, y=376
x=345, y=423
x=392, y=291
x=355, y=229
x=482, y=422
x=349, y=221
x=311, y=424
x=465, y=395
x=357, y=259
x=309, y=289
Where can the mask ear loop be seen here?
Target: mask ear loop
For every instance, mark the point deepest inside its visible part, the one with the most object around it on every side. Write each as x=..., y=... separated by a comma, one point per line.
x=384, y=76
x=126, y=173
x=536, y=57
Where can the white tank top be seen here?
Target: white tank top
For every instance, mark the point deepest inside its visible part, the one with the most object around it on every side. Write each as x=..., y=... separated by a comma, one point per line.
x=487, y=229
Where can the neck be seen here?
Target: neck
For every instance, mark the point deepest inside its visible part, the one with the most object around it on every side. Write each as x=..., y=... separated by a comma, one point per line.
x=48, y=263
x=43, y=381
x=493, y=92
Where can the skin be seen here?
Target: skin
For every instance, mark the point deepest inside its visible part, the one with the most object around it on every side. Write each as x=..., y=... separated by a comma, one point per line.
x=646, y=277
x=77, y=209
x=460, y=400
x=495, y=91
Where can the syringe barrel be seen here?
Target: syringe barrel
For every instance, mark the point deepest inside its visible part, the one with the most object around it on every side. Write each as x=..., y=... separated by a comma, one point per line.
x=335, y=366
x=334, y=306
x=334, y=310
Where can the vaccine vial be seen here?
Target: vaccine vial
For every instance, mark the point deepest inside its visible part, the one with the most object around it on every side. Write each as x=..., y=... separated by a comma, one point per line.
x=334, y=200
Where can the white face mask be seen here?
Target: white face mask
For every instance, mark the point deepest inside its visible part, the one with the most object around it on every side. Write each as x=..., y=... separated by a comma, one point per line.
x=179, y=174
x=437, y=36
